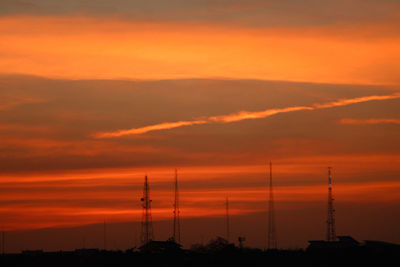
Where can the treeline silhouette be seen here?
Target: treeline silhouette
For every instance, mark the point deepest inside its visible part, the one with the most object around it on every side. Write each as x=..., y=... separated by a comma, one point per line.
x=217, y=252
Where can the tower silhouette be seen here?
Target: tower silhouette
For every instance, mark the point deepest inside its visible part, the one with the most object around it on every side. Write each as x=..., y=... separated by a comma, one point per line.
x=104, y=235
x=271, y=238
x=227, y=220
x=177, y=221
x=3, y=242
x=330, y=222
x=147, y=224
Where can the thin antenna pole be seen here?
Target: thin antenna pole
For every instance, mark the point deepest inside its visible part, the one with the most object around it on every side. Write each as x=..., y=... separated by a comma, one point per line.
x=3, y=242
x=105, y=235
x=135, y=238
x=227, y=219
x=177, y=221
x=330, y=223
x=271, y=238
x=147, y=225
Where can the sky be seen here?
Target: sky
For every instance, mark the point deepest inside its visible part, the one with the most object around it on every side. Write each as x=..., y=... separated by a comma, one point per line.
x=94, y=95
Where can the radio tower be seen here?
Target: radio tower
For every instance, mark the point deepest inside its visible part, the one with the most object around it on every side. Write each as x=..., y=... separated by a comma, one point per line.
x=3, y=242
x=105, y=235
x=147, y=225
x=330, y=222
x=177, y=220
x=271, y=240
x=227, y=220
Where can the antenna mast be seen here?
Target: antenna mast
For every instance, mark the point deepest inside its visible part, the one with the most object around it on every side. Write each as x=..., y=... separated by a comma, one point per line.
x=177, y=220
x=272, y=241
x=3, y=243
x=227, y=220
x=147, y=225
x=105, y=235
x=330, y=223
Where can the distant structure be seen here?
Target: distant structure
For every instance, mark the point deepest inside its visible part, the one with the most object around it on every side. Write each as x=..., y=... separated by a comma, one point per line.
x=105, y=235
x=330, y=222
x=348, y=242
x=83, y=242
x=241, y=240
x=3, y=242
x=227, y=220
x=169, y=246
x=147, y=224
x=272, y=242
x=341, y=242
x=177, y=221
x=82, y=251
x=32, y=252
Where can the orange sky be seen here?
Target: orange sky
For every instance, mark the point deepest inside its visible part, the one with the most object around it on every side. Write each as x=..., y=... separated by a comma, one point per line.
x=55, y=173
x=91, y=196
x=94, y=97
x=76, y=47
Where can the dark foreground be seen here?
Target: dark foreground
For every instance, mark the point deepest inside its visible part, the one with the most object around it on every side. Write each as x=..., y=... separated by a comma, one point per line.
x=245, y=257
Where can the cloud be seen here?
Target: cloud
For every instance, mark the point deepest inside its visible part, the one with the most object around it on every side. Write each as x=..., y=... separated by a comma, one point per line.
x=370, y=121
x=35, y=147
x=16, y=102
x=246, y=115
x=243, y=115
x=345, y=102
x=255, y=13
x=156, y=127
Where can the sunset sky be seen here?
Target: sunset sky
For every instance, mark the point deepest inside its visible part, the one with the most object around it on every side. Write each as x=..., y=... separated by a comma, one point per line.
x=96, y=94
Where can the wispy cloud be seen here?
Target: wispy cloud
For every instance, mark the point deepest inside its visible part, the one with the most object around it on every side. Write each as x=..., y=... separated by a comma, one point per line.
x=244, y=115
x=16, y=102
x=370, y=121
x=155, y=127
x=345, y=102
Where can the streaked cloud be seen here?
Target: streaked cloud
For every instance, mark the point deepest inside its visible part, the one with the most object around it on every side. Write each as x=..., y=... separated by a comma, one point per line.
x=156, y=127
x=244, y=115
x=247, y=115
x=46, y=147
x=370, y=121
x=11, y=103
x=92, y=195
x=345, y=102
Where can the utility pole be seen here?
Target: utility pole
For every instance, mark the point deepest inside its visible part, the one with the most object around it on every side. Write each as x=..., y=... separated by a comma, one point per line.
x=271, y=238
x=227, y=219
x=177, y=222
x=105, y=235
x=3, y=242
x=147, y=224
x=330, y=222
